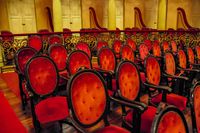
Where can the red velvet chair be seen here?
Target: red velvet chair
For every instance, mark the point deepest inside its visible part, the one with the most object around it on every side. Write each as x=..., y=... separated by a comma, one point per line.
x=44, y=35
x=165, y=46
x=197, y=51
x=156, y=49
x=22, y=56
x=66, y=33
x=116, y=46
x=174, y=47
x=157, y=92
x=100, y=44
x=131, y=43
x=129, y=85
x=173, y=79
x=169, y=120
x=7, y=38
x=78, y=59
x=194, y=106
x=127, y=53
x=89, y=102
x=35, y=42
x=191, y=58
x=55, y=39
x=46, y=105
x=58, y=54
x=148, y=43
x=84, y=47
x=107, y=64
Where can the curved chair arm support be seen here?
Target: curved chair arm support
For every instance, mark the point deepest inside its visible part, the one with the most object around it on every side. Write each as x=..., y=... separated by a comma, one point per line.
x=75, y=125
x=175, y=77
x=164, y=88
x=189, y=70
x=128, y=104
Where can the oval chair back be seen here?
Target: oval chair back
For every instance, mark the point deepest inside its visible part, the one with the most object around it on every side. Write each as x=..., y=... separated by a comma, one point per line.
x=42, y=75
x=84, y=47
x=55, y=39
x=116, y=46
x=22, y=56
x=170, y=64
x=78, y=59
x=107, y=59
x=131, y=43
x=35, y=42
x=191, y=56
x=165, y=46
x=87, y=97
x=174, y=47
x=156, y=49
x=197, y=51
x=182, y=60
x=195, y=107
x=169, y=119
x=127, y=53
x=153, y=72
x=128, y=80
x=143, y=51
x=58, y=54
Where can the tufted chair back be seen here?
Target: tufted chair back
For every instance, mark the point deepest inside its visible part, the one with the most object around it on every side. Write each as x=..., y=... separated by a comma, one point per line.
x=169, y=119
x=143, y=51
x=55, y=39
x=165, y=46
x=153, y=72
x=35, y=42
x=191, y=56
x=117, y=44
x=7, y=38
x=147, y=42
x=131, y=43
x=182, y=60
x=128, y=79
x=42, y=75
x=87, y=97
x=76, y=60
x=100, y=44
x=107, y=59
x=58, y=54
x=170, y=65
x=22, y=56
x=156, y=49
x=84, y=47
x=127, y=53
x=195, y=107
x=197, y=50
x=174, y=46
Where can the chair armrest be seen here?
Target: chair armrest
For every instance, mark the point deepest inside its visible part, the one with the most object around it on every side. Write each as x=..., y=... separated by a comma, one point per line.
x=164, y=88
x=175, y=77
x=73, y=123
x=128, y=104
x=104, y=71
x=189, y=70
x=127, y=100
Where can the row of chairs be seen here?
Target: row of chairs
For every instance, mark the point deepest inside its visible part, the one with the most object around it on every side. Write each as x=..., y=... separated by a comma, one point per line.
x=105, y=57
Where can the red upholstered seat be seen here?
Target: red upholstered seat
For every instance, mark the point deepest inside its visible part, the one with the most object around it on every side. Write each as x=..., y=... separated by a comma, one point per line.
x=148, y=44
x=112, y=129
x=173, y=99
x=117, y=44
x=55, y=39
x=144, y=51
x=146, y=119
x=131, y=43
x=52, y=109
